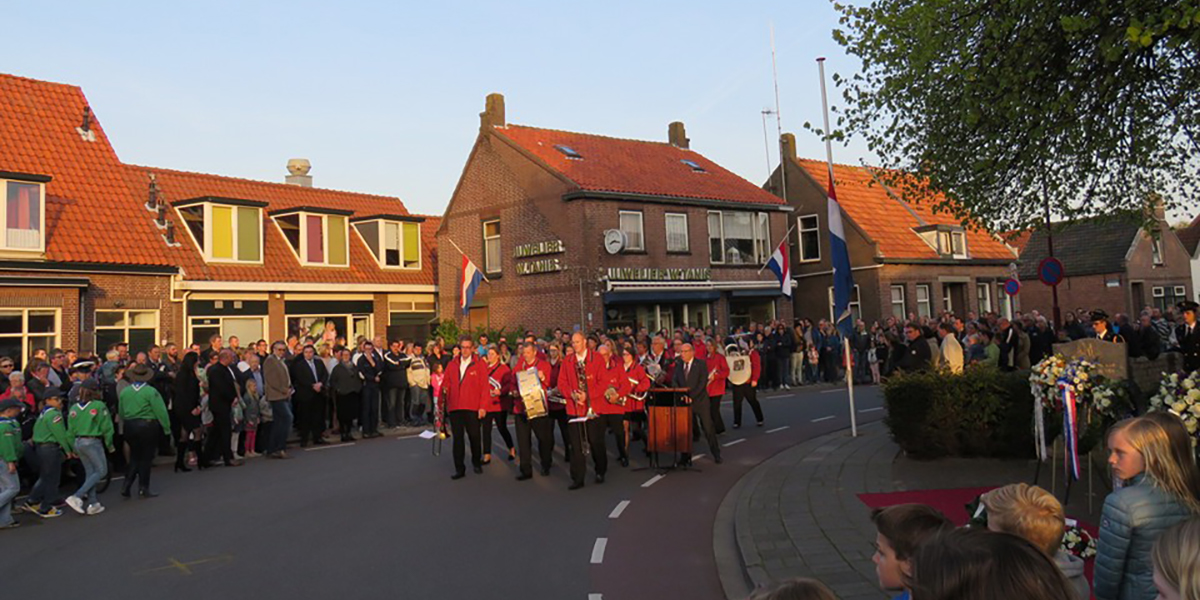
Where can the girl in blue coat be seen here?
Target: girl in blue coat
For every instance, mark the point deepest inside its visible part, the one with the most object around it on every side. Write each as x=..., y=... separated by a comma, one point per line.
x=1160, y=491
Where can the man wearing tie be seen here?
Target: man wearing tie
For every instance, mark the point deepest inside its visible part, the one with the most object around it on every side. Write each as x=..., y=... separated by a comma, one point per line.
x=1188, y=335
x=308, y=377
x=693, y=375
x=223, y=391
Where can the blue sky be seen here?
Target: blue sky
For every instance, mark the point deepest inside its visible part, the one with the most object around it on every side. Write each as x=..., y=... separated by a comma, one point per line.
x=384, y=97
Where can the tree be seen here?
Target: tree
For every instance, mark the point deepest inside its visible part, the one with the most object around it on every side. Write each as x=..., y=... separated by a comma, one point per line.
x=1000, y=107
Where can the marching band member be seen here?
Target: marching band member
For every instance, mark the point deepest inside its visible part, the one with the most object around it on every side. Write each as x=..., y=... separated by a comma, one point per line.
x=558, y=410
x=748, y=391
x=639, y=384
x=542, y=426
x=500, y=401
x=612, y=407
x=718, y=374
x=465, y=394
x=580, y=380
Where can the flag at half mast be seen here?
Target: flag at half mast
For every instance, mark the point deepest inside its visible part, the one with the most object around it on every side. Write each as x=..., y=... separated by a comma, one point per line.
x=471, y=277
x=843, y=279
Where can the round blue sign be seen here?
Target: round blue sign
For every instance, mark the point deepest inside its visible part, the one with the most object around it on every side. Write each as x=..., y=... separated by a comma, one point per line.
x=1050, y=271
x=1011, y=287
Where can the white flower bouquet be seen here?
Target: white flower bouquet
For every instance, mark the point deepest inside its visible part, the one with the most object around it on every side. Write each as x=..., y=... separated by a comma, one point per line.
x=1181, y=396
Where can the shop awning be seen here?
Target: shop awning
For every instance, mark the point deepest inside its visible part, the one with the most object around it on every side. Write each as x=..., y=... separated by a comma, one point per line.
x=766, y=293
x=659, y=297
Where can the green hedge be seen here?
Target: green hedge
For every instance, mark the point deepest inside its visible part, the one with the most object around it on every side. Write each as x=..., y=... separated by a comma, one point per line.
x=981, y=412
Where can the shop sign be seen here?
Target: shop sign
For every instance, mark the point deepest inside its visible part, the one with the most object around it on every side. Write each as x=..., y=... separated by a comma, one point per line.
x=539, y=249
x=533, y=267
x=651, y=274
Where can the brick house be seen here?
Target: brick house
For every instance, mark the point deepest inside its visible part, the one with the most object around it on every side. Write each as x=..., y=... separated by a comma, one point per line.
x=1111, y=264
x=583, y=230
x=906, y=258
x=1190, y=236
x=91, y=255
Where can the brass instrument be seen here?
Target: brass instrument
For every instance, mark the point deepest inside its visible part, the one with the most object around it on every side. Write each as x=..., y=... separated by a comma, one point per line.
x=439, y=425
x=581, y=373
x=614, y=397
x=653, y=370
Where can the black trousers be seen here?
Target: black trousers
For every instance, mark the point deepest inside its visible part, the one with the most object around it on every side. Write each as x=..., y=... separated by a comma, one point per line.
x=464, y=425
x=348, y=409
x=715, y=410
x=544, y=428
x=599, y=451
x=500, y=418
x=311, y=417
x=219, y=436
x=748, y=393
x=561, y=417
x=142, y=436
x=703, y=411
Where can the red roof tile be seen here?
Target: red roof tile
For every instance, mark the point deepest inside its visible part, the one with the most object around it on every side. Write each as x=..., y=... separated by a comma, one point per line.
x=280, y=263
x=634, y=166
x=890, y=222
x=90, y=214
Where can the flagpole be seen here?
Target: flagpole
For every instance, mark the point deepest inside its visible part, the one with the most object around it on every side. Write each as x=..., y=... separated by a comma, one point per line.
x=768, y=261
x=846, y=341
x=460, y=251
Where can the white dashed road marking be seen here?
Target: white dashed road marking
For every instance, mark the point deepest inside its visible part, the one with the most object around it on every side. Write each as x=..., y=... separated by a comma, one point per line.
x=818, y=420
x=329, y=447
x=621, y=506
x=737, y=441
x=598, y=550
x=865, y=410
x=653, y=480
x=698, y=457
x=833, y=391
x=595, y=596
x=778, y=429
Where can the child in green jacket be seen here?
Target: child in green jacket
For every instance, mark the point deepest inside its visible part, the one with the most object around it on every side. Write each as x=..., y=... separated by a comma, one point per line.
x=11, y=450
x=91, y=426
x=50, y=443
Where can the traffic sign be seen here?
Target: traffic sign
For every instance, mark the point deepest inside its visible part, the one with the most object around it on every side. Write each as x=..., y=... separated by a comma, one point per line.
x=1011, y=287
x=1051, y=271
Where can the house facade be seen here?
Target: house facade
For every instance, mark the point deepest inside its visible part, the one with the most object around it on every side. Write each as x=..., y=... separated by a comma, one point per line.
x=1190, y=236
x=907, y=259
x=581, y=230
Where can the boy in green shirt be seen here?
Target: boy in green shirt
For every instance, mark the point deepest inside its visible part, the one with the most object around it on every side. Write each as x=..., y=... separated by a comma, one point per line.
x=90, y=425
x=11, y=449
x=50, y=443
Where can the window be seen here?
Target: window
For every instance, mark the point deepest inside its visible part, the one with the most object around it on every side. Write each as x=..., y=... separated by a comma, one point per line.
x=947, y=299
x=491, y=246
x=1166, y=297
x=1155, y=250
x=984, y=291
x=395, y=244
x=923, y=305
x=24, y=216
x=569, y=152
x=631, y=225
x=898, y=308
x=958, y=244
x=316, y=239
x=677, y=232
x=810, y=239
x=738, y=238
x=23, y=330
x=1004, y=302
x=855, y=306
x=696, y=168
x=138, y=328
x=225, y=232
x=949, y=241
x=247, y=329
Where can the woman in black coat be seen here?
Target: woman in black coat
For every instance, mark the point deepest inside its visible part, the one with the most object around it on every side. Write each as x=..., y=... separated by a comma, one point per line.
x=187, y=410
x=347, y=385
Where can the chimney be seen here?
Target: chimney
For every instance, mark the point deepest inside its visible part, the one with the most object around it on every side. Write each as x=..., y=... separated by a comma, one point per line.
x=787, y=145
x=677, y=135
x=170, y=234
x=493, y=112
x=87, y=119
x=152, y=198
x=298, y=169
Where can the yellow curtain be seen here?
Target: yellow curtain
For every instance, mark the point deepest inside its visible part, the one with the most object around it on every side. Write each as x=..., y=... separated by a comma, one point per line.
x=222, y=232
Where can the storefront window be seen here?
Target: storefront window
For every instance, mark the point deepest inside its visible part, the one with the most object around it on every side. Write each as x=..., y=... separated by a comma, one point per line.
x=247, y=329
x=24, y=330
x=743, y=312
x=138, y=328
x=330, y=328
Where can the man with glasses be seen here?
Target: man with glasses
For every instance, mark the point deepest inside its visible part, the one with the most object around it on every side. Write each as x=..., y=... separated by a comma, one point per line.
x=6, y=369
x=278, y=384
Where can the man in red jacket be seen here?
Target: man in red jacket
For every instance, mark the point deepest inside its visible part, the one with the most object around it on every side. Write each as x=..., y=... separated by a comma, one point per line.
x=465, y=392
x=611, y=415
x=583, y=394
x=542, y=426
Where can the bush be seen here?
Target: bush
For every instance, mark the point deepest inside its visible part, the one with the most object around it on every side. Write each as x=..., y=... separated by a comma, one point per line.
x=981, y=412
x=450, y=331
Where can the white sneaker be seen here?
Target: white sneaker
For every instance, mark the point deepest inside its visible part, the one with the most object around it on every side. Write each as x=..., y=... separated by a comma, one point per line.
x=95, y=509
x=76, y=504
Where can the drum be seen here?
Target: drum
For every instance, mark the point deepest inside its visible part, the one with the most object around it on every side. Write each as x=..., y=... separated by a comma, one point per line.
x=532, y=394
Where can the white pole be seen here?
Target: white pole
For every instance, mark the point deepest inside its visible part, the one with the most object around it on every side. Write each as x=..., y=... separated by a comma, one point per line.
x=845, y=342
x=778, y=120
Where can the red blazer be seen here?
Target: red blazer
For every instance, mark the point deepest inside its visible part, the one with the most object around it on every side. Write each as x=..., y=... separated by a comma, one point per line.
x=755, y=367
x=503, y=375
x=639, y=383
x=718, y=369
x=612, y=375
x=555, y=370
x=543, y=368
x=471, y=393
x=568, y=382
x=701, y=351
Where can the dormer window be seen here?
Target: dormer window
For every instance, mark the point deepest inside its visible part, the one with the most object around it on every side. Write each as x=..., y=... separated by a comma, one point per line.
x=568, y=152
x=395, y=240
x=949, y=241
x=696, y=168
x=317, y=236
x=226, y=230
x=24, y=216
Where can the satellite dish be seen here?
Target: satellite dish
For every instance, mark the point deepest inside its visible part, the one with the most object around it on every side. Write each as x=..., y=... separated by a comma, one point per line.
x=615, y=241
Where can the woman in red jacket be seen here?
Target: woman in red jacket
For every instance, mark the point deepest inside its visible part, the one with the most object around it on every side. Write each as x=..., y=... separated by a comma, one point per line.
x=503, y=385
x=639, y=384
x=748, y=391
x=718, y=374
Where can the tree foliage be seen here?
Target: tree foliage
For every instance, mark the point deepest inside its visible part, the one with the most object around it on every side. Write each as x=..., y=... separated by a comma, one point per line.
x=1091, y=106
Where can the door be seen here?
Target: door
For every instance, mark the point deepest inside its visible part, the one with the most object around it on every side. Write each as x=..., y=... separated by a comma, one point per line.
x=1138, y=294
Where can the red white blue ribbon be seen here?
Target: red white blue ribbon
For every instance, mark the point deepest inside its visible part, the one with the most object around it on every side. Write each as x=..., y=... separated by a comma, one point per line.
x=1070, y=429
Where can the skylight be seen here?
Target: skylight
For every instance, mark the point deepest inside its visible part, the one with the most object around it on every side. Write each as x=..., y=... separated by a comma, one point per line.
x=695, y=167
x=568, y=151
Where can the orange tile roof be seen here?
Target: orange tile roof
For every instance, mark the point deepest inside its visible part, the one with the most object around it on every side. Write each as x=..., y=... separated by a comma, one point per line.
x=90, y=215
x=280, y=263
x=890, y=222
x=634, y=166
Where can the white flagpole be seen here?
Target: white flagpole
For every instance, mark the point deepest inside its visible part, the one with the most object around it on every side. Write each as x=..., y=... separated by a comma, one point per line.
x=460, y=251
x=778, y=120
x=772, y=248
x=845, y=342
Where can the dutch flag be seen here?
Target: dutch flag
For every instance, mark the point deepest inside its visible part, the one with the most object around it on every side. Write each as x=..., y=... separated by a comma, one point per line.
x=471, y=277
x=780, y=267
x=843, y=279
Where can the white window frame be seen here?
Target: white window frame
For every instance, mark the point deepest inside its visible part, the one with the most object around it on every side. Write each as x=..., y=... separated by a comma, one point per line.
x=641, y=227
x=927, y=302
x=41, y=249
x=984, y=299
x=220, y=325
x=802, y=231
x=687, y=238
x=855, y=303
x=302, y=254
x=1158, y=291
x=903, y=303
x=350, y=318
x=959, y=235
x=125, y=329
x=499, y=237
x=24, y=336
x=760, y=245
x=206, y=248
x=380, y=225
x=1181, y=291
x=1004, y=302
x=1156, y=251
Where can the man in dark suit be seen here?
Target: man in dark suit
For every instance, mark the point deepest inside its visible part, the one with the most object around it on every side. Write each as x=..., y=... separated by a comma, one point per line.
x=693, y=375
x=223, y=391
x=1188, y=336
x=917, y=355
x=308, y=378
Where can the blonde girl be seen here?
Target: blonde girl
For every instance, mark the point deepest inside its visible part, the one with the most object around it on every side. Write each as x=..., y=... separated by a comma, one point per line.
x=1177, y=562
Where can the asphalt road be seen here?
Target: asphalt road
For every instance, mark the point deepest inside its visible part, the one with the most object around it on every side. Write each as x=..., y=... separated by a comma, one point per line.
x=382, y=519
